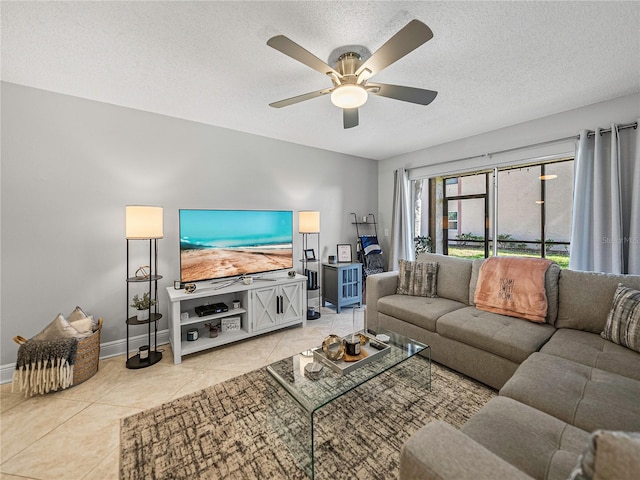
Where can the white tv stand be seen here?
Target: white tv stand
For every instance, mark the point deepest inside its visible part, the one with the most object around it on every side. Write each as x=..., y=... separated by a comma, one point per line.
x=264, y=307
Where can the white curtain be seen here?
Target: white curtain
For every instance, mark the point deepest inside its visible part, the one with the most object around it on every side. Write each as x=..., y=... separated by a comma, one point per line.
x=606, y=206
x=401, y=234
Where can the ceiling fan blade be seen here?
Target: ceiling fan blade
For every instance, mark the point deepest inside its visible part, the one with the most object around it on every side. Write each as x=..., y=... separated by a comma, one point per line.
x=295, y=51
x=399, y=92
x=410, y=37
x=350, y=117
x=300, y=98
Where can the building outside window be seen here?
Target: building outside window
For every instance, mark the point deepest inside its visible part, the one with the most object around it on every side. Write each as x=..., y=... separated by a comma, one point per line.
x=533, y=214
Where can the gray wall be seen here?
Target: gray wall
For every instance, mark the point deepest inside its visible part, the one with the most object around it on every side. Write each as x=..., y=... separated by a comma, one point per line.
x=441, y=159
x=69, y=167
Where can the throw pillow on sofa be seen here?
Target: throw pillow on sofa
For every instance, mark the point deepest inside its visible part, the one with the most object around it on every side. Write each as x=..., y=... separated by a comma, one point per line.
x=623, y=322
x=609, y=454
x=417, y=278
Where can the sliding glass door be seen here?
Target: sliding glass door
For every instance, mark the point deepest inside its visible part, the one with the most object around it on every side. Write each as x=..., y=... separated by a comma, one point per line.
x=533, y=214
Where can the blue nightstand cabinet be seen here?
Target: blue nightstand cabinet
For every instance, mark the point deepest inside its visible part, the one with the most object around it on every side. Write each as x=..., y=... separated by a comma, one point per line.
x=342, y=284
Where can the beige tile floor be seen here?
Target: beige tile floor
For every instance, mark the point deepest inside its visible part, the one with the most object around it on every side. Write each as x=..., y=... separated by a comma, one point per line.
x=74, y=434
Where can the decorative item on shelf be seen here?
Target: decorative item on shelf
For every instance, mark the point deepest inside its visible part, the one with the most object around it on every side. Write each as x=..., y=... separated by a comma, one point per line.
x=291, y=273
x=312, y=279
x=236, y=304
x=144, y=222
x=192, y=335
x=143, y=351
x=344, y=253
x=332, y=259
x=189, y=287
x=143, y=305
x=309, y=224
x=230, y=324
x=143, y=273
x=213, y=328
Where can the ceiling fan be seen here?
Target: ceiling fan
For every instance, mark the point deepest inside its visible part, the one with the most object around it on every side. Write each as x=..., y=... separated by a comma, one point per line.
x=351, y=74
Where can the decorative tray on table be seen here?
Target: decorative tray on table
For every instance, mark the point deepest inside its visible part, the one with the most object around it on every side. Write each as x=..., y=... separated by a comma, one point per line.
x=348, y=363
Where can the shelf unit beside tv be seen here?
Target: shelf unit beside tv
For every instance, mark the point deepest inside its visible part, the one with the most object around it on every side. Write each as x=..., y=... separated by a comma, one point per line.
x=273, y=303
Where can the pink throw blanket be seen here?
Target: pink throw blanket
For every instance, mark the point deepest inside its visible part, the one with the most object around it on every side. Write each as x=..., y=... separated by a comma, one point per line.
x=513, y=286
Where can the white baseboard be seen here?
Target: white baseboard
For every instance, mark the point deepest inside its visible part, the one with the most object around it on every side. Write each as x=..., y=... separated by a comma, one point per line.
x=107, y=350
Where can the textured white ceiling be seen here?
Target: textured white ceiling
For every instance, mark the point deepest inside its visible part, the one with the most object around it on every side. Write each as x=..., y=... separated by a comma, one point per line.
x=494, y=64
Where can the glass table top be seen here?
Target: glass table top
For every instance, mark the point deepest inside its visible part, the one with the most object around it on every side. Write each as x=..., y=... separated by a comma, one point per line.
x=314, y=392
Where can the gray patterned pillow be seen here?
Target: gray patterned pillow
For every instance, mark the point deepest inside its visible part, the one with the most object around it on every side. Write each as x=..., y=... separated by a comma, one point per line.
x=623, y=322
x=609, y=454
x=418, y=278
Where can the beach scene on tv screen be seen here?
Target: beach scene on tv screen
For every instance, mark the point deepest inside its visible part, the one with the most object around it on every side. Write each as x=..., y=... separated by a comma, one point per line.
x=226, y=243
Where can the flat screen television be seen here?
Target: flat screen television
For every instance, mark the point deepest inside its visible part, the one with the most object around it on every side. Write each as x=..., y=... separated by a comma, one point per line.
x=218, y=244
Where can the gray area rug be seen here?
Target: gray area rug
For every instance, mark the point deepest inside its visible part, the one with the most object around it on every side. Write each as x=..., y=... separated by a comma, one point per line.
x=234, y=429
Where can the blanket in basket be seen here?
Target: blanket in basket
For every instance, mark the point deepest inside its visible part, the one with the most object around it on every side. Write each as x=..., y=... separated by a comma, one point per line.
x=45, y=365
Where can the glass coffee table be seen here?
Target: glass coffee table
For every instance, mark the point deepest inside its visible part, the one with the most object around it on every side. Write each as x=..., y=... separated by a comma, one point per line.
x=312, y=392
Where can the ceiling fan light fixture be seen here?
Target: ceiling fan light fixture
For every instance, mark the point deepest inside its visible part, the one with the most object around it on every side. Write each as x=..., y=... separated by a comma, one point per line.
x=349, y=96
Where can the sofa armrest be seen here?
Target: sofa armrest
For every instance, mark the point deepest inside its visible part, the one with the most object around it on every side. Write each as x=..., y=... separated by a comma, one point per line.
x=438, y=452
x=378, y=285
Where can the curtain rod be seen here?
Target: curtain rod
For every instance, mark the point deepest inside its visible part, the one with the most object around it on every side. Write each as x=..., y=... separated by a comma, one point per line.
x=607, y=130
x=557, y=140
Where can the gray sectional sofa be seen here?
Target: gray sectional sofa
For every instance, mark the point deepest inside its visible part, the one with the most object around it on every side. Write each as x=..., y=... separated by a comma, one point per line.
x=558, y=381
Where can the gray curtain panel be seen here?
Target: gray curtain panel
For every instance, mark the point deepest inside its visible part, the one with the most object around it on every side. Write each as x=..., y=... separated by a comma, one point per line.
x=605, y=231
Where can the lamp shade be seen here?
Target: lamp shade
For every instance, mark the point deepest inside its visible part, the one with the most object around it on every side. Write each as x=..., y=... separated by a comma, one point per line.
x=309, y=222
x=143, y=222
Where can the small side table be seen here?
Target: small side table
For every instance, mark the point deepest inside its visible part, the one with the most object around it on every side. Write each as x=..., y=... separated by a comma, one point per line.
x=342, y=284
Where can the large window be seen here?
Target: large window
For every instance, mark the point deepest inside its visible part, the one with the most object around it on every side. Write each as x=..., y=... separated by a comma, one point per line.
x=533, y=213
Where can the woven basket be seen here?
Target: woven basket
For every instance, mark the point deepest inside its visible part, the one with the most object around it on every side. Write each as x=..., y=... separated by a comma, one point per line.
x=87, y=355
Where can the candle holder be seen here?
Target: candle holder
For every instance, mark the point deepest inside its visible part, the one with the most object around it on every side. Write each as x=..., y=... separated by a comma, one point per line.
x=352, y=346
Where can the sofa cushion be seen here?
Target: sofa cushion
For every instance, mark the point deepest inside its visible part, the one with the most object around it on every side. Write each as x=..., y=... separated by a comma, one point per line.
x=417, y=278
x=623, y=322
x=586, y=397
x=420, y=311
x=586, y=297
x=438, y=451
x=536, y=443
x=551, y=277
x=508, y=337
x=594, y=351
x=454, y=275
